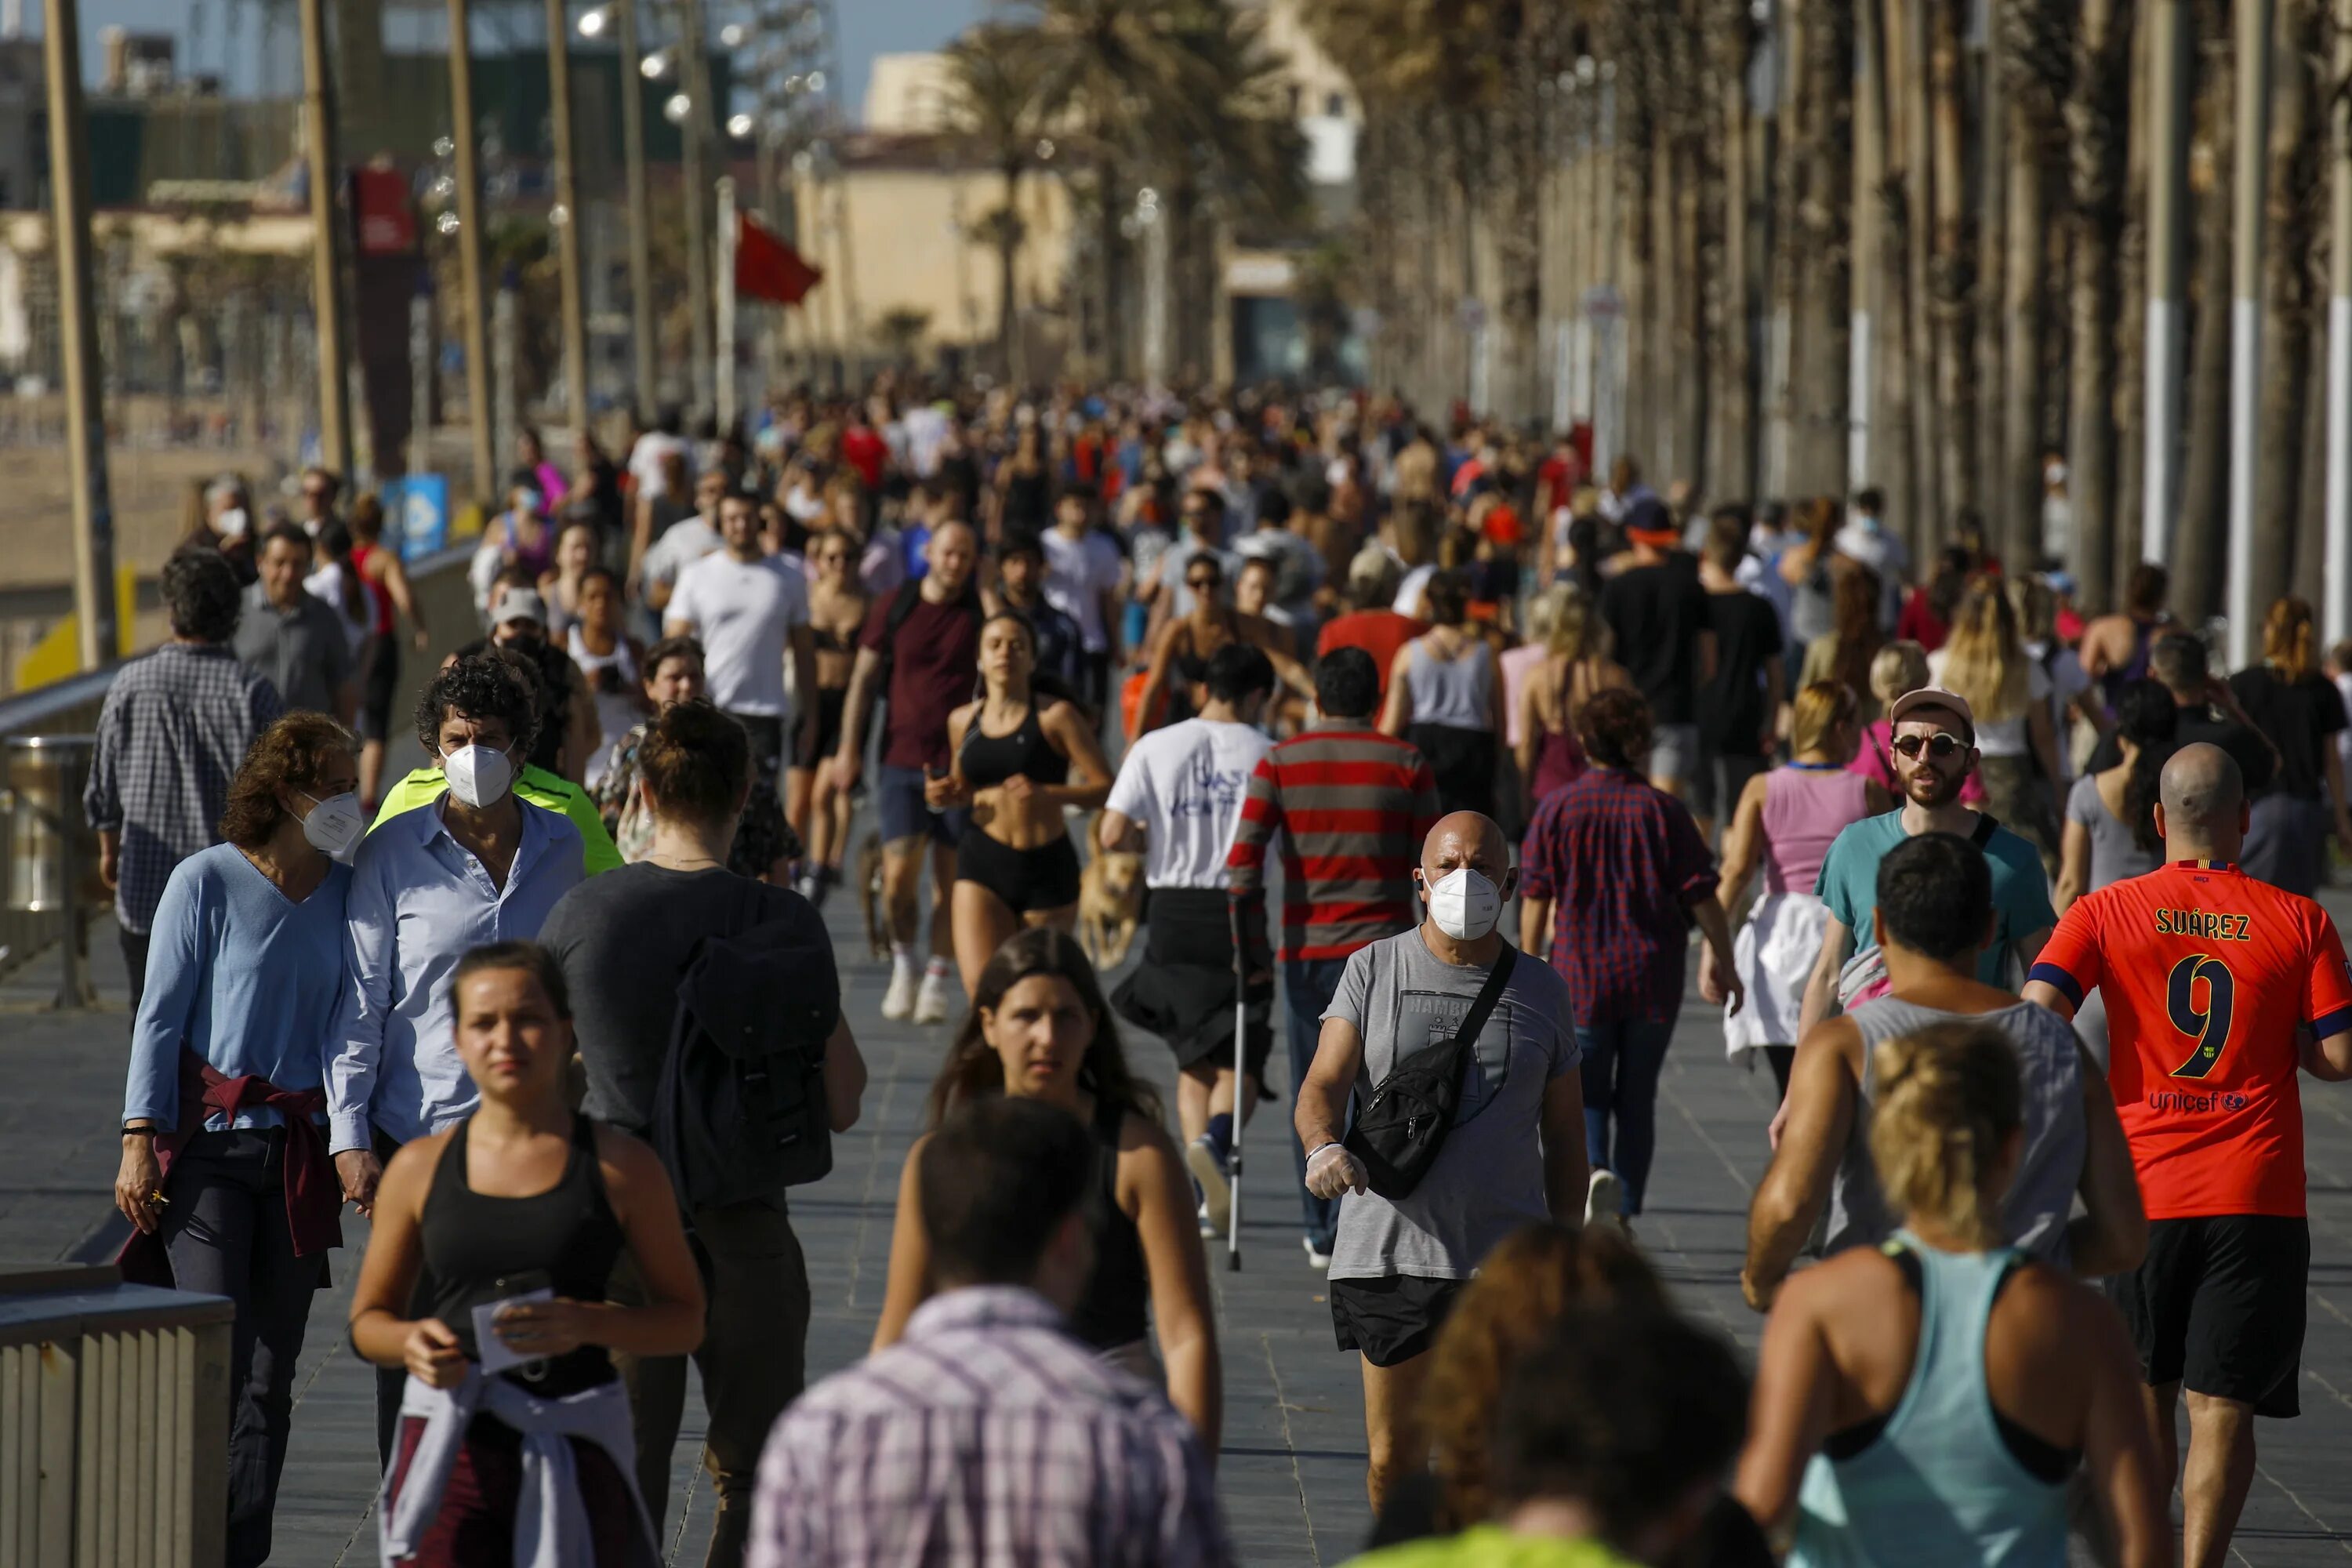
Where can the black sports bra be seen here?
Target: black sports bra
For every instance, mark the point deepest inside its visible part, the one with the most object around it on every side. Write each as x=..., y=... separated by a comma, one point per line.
x=830, y=641
x=987, y=760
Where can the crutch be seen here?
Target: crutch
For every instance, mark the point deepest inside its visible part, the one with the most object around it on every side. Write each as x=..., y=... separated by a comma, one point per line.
x=1241, y=1092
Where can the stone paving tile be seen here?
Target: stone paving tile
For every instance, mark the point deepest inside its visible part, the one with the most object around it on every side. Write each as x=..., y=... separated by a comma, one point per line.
x=1292, y=1468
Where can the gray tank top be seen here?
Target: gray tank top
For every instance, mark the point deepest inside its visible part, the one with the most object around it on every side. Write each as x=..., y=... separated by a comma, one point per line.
x=2042, y=1198
x=1455, y=693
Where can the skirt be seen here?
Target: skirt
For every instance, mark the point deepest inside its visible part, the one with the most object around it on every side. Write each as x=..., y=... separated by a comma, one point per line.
x=1774, y=954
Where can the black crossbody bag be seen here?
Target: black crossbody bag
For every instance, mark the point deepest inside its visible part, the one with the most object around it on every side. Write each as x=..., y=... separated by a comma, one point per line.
x=1397, y=1135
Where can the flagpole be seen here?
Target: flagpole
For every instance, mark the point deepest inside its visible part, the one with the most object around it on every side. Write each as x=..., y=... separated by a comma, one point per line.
x=725, y=310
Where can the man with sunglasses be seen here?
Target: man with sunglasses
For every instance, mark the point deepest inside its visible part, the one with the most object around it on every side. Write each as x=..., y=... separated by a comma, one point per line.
x=1934, y=734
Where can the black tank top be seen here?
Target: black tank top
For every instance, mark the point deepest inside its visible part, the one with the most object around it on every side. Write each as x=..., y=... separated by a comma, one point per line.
x=472, y=1240
x=1111, y=1312
x=990, y=759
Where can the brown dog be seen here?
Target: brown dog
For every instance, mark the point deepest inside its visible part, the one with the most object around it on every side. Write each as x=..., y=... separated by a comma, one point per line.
x=1110, y=901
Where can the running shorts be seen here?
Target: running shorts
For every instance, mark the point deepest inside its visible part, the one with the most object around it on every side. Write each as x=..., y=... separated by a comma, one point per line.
x=1391, y=1318
x=1027, y=880
x=2217, y=1305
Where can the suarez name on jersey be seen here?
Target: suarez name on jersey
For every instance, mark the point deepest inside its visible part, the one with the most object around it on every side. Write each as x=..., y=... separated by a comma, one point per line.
x=2207, y=977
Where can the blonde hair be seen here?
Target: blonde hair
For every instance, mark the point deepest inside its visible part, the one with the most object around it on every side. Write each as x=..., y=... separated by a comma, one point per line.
x=1900, y=666
x=1818, y=711
x=1946, y=1103
x=2288, y=640
x=1985, y=661
x=1544, y=610
x=1576, y=632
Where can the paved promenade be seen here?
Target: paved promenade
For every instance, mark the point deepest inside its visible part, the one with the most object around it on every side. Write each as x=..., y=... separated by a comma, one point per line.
x=1291, y=1467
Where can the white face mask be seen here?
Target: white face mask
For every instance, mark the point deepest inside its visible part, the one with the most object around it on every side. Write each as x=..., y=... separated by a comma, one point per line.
x=231, y=524
x=1464, y=904
x=477, y=775
x=335, y=825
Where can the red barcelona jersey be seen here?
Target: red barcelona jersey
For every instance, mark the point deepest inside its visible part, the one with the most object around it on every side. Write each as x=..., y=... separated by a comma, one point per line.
x=2208, y=975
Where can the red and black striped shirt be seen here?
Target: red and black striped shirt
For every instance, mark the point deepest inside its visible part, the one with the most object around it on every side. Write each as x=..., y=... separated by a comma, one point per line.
x=1353, y=806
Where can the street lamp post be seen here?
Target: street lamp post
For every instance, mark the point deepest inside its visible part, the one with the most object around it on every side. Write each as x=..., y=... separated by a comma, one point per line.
x=469, y=236
x=326, y=245
x=564, y=215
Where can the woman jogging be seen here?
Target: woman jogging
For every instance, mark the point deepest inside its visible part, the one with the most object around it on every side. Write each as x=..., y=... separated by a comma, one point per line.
x=1946, y=1377
x=838, y=611
x=1446, y=698
x=1039, y=1028
x=1015, y=755
x=485, y=1278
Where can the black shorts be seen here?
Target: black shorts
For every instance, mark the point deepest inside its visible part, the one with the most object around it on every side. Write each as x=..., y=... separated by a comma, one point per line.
x=379, y=681
x=1027, y=880
x=2217, y=1305
x=1392, y=1319
x=826, y=716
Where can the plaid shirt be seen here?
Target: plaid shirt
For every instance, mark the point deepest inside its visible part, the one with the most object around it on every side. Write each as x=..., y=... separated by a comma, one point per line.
x=173, y=732
x=1622, y=863
x=987, y=1438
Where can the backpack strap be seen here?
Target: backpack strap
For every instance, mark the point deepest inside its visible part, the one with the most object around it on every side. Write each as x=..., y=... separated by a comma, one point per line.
x=1489, y=993
x=1987, y=826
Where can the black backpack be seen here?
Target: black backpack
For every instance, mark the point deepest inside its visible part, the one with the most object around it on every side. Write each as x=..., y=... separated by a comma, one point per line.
x=740, y=1111
x=1398, y=1135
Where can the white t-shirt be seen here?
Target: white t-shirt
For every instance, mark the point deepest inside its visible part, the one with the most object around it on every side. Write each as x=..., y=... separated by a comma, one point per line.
x=1079, y=572
x=2000, y=737
x=687, y=540
x=743, y=611
x=645, y=459
x=1883, y=554
x=1409, y=591
x=1184, y=787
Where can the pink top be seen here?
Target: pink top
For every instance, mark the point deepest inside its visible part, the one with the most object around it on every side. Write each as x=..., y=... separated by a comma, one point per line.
x=1518, y=663
x=1805, y=808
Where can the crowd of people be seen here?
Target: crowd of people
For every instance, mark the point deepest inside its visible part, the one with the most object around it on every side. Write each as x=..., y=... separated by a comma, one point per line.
x=2015, y=906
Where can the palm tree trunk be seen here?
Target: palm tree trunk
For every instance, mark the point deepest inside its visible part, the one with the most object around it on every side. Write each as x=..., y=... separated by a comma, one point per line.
x=1789, y=262
x=1008, y=252
x=1927, y=414
x=1111, y=275
x=1994, y=156
x=2288, y=307
x=2131, y=360
x=1824, y=327
x=1734, y=397
x=2017, y=484
x=2200, y=527
x=2095, y=147
x=1953, y=270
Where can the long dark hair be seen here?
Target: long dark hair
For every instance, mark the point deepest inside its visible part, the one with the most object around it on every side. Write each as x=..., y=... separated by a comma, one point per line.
x=2146, y=716
x=973, y=1069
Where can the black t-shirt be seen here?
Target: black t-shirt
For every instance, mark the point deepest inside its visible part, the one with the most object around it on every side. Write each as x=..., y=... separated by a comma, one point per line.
x=1655, y=614
x=1731, y=716
x=623, y=940
x=2200, y=724
x=2298, y=716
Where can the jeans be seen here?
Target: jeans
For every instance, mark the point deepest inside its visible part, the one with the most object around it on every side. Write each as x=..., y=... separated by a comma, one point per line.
x=226, y=1233
x=1307, y=984
x=1621, y=1064
x=753, y=1362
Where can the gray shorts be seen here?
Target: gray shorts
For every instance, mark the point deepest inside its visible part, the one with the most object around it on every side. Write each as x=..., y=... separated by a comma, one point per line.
x=1674, y=752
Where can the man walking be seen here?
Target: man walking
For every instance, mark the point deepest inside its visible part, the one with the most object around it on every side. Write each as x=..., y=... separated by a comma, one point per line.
x=2209, y=977
x=1657, y=612
x=751, y=615
x=1082, y=573
x=1352, y=806
x=987, y=1434
x=291, y=637
x=1515, y=1153
x=173, y=731
x=1061, y=647
x=1177, y=797
x=622, y=941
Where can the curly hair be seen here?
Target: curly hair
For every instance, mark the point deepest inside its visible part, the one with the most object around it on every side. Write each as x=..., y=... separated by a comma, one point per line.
x=1534, y=1275
x=200, y=593
x=1615, y=727
x=292, y=754
x=487, y=685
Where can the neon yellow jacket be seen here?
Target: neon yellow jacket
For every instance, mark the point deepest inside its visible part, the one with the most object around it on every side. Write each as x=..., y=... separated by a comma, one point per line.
x=536, y=786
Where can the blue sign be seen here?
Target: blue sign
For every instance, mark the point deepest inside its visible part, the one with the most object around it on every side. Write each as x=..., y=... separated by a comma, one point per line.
x=416, y=513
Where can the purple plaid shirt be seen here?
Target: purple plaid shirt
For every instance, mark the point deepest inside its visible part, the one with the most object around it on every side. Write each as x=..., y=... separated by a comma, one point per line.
x=987, y=1437
x=1622, y=863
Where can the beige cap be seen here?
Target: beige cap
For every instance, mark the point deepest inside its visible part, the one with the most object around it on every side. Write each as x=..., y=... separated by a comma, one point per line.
x=1933, y=697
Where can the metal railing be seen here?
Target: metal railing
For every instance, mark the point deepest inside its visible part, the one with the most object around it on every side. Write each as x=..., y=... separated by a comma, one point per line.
x=70, y=707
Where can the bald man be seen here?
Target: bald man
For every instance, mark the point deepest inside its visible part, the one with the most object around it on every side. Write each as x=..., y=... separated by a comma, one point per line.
x=2212, y=981
x=1517, y=1150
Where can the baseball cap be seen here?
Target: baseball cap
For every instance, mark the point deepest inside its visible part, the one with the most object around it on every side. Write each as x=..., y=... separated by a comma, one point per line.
x=1647, y=521
x=1372, y=575
x=1933, y=697
x=515, y=604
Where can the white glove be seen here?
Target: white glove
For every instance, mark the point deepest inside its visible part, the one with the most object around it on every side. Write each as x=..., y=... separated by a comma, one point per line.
x=1331, y=1171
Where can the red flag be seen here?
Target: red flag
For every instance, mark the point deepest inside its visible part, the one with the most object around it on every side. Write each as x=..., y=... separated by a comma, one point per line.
x=768, y=269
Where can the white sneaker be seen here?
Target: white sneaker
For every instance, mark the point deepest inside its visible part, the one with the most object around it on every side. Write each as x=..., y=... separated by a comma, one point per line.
x=931, y=1000
x=1605, y=1200
x=1318, y=1261
x=899, y=1001
x=1208, y=1231
x=1207, y=1170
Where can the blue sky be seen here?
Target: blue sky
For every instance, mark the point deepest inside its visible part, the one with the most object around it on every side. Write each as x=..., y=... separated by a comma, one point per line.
x=868, y=28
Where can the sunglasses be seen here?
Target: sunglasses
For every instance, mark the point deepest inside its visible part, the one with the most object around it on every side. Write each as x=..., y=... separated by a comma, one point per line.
x=1941, y=745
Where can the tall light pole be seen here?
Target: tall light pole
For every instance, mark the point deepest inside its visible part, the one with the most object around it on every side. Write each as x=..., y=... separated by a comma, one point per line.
x=93, y=511
x=2167, y=211
x=2251, y=19
x=565, y=218
x=694, y=81
x=326, y=244
x=640, y=224
x=469, y=252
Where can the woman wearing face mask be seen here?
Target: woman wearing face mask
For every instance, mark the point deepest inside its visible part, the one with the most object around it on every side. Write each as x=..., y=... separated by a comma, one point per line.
x=1039, y=1029
x=225, y=1174
x=1617, y=872
x=475, y=866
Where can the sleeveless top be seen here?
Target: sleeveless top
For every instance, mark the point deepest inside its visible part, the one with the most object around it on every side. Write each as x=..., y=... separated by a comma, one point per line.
x=1941, y=1485
x=379, y=597
x=568, y=1235
x=1456, y=692
x=1804, y=811
x=1111, y=1311
x=2049, y=1067
x=990, y=759
x=2111, y=684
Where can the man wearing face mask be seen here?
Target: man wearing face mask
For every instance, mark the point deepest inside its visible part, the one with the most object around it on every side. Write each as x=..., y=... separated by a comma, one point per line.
x=1515, y=1152
x=478, y=865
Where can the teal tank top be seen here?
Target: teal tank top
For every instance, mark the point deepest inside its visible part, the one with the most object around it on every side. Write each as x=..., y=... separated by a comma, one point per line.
x=1938, y=1487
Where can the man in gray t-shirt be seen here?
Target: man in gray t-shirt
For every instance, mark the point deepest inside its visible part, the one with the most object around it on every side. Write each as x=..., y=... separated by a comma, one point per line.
x=1516, y=1152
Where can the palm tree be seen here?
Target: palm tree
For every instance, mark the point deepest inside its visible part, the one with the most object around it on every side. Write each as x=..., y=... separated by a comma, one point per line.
x=2032, y=41
x=996, y=97
x=2096, y=103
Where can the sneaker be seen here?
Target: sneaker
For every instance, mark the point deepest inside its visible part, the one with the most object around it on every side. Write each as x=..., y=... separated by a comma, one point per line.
x=1207, y=1163
x=931, y=1000
x=1605, y=1200
x=1208, y=1231
x=899, y=1001
x=1317, y=1259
